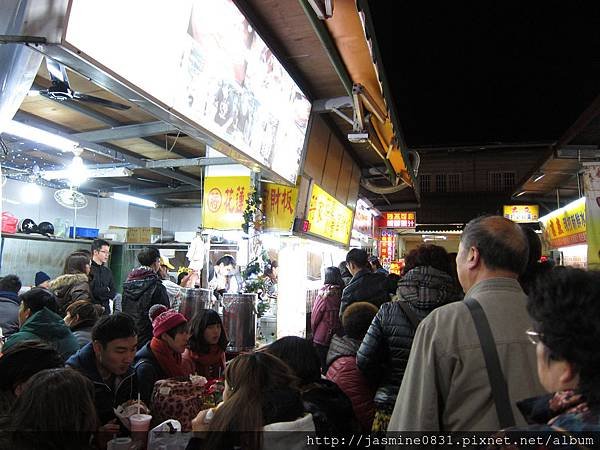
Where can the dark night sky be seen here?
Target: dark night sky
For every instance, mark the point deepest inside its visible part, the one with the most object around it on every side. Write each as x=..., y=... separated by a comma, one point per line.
x=476, y=72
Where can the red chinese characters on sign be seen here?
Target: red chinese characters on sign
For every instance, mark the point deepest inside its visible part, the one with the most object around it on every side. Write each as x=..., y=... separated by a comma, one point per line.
x=225, y=202
x=387, y=246
x=280, y=205
x=280, y=199
x=235, y=199
x=402, y=219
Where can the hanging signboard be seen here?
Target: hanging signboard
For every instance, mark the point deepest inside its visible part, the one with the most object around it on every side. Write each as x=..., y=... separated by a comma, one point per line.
x=206, y=67
x=387, y=246
x=225, y=202
x=399, y=219
x=566, y=226
x=522, y=213
x=327, y=217
x=363, y=219
x=279, y=203
x=591, y=183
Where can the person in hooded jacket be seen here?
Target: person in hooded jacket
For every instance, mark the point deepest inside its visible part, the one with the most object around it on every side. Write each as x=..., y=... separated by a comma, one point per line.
x=341, y=362
x=383, y=354
x=325, y=319
x=38, y=320
x=74, y=284
x=331, y=409
x=161, y=357
x=142, y=290
x=10, y=285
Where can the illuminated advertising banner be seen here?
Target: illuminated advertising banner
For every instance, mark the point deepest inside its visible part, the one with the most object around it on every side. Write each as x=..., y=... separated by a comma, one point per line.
x=566, y=226
x=522, y=213
x=591, y=182
x=387, y=246
x=279, y=206
x=399, y=219
x=225, y=202
x=201, y=61
x=363, y=219
x=328, y=218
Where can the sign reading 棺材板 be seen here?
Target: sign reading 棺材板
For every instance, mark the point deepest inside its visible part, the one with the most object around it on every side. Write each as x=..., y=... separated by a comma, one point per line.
x=225, y=202
x=279, y=205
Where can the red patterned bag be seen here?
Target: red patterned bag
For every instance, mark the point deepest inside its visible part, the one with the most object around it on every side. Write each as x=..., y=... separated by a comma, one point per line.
x=182, y=399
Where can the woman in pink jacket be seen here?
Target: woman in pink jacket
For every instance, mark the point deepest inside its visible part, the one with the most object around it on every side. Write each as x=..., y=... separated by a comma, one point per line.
x=325, y=320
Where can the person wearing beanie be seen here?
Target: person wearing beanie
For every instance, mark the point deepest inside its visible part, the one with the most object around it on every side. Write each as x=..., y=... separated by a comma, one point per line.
x=161, y=357
x=42, y=280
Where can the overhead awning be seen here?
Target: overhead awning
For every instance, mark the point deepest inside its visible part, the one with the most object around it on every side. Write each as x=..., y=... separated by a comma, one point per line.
x=347, y=28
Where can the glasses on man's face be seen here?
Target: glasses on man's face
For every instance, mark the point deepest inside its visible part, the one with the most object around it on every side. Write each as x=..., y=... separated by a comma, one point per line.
x=106, y=252
x=534, y=337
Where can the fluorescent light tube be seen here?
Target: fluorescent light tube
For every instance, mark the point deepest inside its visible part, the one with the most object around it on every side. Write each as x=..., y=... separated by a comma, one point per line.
x=134, y=200
x=38, y=135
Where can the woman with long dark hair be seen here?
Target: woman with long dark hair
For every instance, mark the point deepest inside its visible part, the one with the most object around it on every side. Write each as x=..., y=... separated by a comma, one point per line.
x=261, y=394
x=74, y=284
x=325, y=316
x=205, y=354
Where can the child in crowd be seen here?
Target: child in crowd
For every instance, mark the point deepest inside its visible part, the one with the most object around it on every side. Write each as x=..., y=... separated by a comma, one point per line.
x=206, y=348
x=161, y=357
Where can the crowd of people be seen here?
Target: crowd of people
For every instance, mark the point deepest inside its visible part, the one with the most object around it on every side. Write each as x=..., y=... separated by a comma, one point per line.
x=420, y=352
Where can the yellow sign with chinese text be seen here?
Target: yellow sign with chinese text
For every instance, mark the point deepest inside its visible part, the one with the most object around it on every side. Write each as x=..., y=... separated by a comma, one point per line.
x=566, y=226
x=522, y=213
x=328, y=218
x=279, y=205
x=225, y=202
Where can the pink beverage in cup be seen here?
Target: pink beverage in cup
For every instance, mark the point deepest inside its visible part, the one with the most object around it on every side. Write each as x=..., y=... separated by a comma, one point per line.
x=140, y=422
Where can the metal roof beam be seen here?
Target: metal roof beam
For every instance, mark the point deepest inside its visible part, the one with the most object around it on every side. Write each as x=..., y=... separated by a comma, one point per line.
x=104, y=150
x=125, y=132
x=160, y=163
x=168, y=190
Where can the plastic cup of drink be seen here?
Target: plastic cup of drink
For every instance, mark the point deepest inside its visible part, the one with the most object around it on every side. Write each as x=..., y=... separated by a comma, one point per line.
x=140, y=422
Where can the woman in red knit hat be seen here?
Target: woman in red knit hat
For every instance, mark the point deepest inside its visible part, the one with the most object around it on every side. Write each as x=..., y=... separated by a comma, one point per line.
x=161, y=357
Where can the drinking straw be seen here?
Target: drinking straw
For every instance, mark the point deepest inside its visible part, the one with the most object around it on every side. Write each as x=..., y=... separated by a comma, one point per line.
x=139, y=404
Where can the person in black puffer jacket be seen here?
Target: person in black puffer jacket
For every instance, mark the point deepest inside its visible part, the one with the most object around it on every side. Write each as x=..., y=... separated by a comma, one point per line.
x=365, y=286
x=426, y=285
x=142, y=290
x=331, y=409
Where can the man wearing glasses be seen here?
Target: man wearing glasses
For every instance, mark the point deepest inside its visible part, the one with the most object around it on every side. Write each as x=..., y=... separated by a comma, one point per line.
x=102, y=284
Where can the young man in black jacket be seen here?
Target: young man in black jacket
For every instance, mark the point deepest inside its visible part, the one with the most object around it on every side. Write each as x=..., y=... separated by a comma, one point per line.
x=142, y=290
x=102, y=284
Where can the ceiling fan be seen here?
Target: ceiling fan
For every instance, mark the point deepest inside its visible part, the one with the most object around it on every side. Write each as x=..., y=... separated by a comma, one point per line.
x=61, y=89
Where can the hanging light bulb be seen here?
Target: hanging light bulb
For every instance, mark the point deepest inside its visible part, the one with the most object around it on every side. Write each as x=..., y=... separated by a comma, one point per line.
x=31, y=193
x=77, y=172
